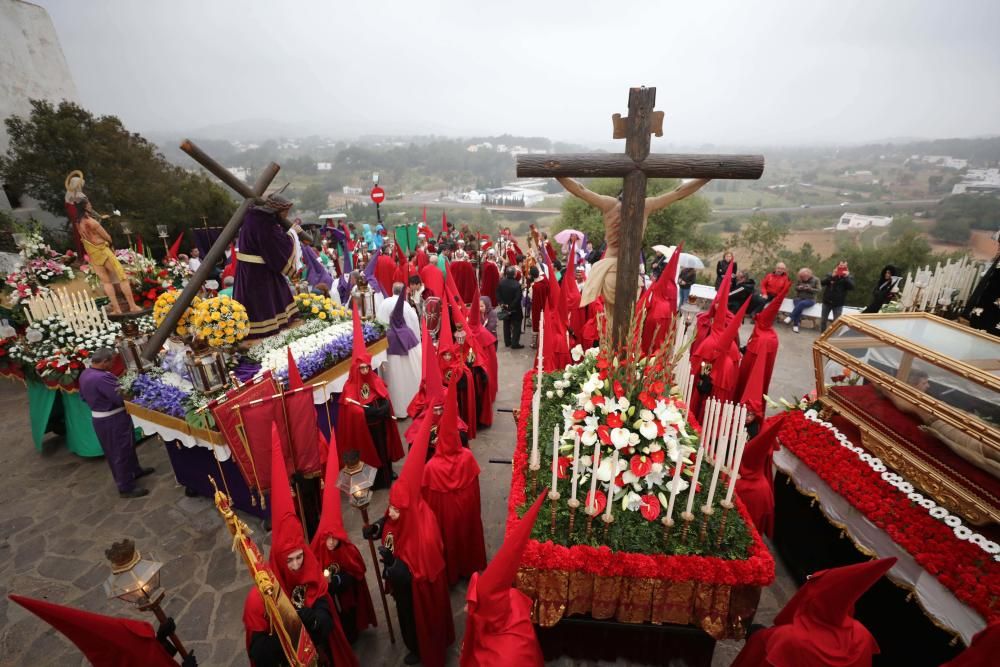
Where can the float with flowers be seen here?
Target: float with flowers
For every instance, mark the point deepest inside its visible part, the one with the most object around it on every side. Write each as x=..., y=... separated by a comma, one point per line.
x=205, y=364
x=642, y=525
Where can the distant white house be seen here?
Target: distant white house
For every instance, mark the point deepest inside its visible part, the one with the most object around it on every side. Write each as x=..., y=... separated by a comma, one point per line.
x=324, y=166
x=855, y=222
x=514, y=194
x=239, y=172
x=472, y=196
x=945, y=161
x=348, y=190
x=978, y=180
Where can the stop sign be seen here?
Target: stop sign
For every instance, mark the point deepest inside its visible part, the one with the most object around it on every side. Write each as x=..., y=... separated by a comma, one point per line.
x=378, y=195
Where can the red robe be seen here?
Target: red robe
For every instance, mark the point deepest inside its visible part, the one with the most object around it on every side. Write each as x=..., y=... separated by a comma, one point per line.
x=352, y=426
x=348, y=559
x=489, y=279
x=451, y=490
x=539, y=294
x=512, y=644
x=385, y=273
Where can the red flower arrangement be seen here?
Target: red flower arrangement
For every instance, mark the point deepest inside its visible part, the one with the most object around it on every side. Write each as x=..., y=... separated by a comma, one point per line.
x=971, y=575
x=756, y=570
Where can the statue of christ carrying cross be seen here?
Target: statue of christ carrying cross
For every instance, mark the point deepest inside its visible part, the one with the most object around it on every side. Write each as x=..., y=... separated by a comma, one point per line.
x=603, y=275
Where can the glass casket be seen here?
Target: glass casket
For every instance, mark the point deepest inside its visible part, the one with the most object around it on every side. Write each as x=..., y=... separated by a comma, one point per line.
x=925, y=394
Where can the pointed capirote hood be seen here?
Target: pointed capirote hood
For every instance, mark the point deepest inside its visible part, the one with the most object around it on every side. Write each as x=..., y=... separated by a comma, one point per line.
x=753, y=389
x=360, y=353
x=488, y=595
x=448, y=441
x=758, y=450
x=720, y=340
x=828, y=596
x=405, y=491
x=401, y=336
x=446, y=339
x=666, y=285
x=433, y=387
x=720, y=303
x=765, y=318
x=104, y=640
x=331, y=521
x=286, y=535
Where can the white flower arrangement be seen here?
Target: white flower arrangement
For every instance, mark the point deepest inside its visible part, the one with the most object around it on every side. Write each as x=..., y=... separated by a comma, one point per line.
x=277, y=359
x=897, y=481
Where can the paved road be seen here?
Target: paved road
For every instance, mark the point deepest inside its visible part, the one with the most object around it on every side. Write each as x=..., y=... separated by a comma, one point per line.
x=903, y=203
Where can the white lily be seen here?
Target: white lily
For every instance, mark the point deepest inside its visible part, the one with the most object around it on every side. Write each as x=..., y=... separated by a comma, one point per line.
x=619, y=437
x=648, y=430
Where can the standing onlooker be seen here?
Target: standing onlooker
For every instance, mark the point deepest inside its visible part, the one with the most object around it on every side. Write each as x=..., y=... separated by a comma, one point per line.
x=884, y=289
x=684, y=281
x=194, y=263
x=488, y=316
x=509, y=298
x=742, y=289
x=805, y=297
x=113, y=426
x=722, y=265
x=836, y=285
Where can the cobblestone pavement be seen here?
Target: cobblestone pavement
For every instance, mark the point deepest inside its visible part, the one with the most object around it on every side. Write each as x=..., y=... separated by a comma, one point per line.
x=60, y=513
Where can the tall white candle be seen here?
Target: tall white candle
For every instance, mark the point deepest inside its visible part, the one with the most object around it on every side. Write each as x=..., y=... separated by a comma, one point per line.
x=708, y=427
x=611, y=484
x=555, y=458
x=723, y=433
x=739, y=426
x=673, y=487
x=576, y=465
x=740, y=446
x=536, y=399
x=592, y=503
x=694, y=478
x=720, y=461
x=27, y=314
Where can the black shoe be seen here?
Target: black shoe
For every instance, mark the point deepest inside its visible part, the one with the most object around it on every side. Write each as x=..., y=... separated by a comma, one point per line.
x=134, y=493
x=517, y=347
x=411, y=659
x=145, y=471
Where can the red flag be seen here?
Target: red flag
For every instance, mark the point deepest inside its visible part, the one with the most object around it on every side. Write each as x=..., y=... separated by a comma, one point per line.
x=176, y=247
x=230, y=424
x=294, y=378
x=307, y=444
x=138, y=246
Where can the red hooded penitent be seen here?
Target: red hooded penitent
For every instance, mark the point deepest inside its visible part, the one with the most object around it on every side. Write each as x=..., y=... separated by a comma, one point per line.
x=451, y=489
x=817, y=626
x=498, y=628
x=416, y=541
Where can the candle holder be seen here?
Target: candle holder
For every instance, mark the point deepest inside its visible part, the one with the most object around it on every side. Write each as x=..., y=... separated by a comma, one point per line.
x=706, y=514
x=590, y=523
x=668, y=525
x=574, y=505
x=554, y=497
x=726, y=506
x=608, y=520
x=534, y=468
x=688, y=518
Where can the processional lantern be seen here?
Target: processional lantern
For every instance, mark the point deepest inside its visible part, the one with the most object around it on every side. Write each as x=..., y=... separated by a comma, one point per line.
x=364, y=298
x=356, y=480
x=207, y=369
x=136, y=581
x=130, y=347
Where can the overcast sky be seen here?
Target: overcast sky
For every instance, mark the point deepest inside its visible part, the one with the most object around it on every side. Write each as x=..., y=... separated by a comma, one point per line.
x=761, y=72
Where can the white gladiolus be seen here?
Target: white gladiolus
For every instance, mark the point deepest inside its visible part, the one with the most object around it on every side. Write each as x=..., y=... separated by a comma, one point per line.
x=604, y=471
x=646, y=415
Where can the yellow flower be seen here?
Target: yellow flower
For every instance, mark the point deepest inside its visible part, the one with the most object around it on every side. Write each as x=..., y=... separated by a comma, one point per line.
x=315, y=310
x=230, y=330
x=306, y=302
x=230, y=339
x=215, y=316
x=322, y=316
x=182, y=331
x=224, y=308
x=205, y=332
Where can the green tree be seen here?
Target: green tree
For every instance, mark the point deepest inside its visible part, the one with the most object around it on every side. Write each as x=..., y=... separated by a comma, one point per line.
x=122, y=170
x=668, y=226
x=313, y=198
x=762, y=242
x=805, y=257
x=902, y=224
x=953, y=230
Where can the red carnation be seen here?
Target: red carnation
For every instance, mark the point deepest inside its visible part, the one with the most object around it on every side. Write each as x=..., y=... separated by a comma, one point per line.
x=602, y=363
x=84, y=353
x=579, y=415
x=640, y=465
x=650, y=508
x=614, y=420
x=619, y=390
x=597, y=399
x=657, y=388
x=74, y=364
x=658, y=456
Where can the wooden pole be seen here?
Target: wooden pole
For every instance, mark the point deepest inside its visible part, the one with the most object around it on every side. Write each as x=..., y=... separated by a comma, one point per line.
x=212, y=257
x=378, y=575
x=662, y=165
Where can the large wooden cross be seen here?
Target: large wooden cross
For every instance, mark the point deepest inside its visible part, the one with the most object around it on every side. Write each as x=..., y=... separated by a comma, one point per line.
x=217, y=251
x=636, y=165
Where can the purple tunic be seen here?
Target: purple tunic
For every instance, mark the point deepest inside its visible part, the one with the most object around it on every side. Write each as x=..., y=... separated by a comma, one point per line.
x=99, y=390
x=317, y=272
x=266, y=256
x=401, y=337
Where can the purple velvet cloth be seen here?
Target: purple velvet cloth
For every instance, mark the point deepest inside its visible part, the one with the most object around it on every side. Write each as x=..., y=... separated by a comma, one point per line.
x=370, y=274
x=99, y=390
x=401, y=337
x=344, y=290
x=246, y=370
x=262, y=288
x=317, y=273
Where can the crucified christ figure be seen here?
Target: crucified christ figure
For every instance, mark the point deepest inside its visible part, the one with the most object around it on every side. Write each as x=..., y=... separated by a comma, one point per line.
x=603, y=275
